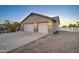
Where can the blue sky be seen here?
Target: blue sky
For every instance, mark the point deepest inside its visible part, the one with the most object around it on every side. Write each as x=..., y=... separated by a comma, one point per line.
x=18, y=12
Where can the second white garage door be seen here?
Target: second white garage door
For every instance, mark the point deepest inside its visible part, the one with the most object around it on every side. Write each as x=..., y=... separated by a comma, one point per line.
x=28, y=27
x=43, y=28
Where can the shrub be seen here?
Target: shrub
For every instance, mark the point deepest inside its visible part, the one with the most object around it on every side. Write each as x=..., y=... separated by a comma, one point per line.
x=12, y=27
x=55, y=32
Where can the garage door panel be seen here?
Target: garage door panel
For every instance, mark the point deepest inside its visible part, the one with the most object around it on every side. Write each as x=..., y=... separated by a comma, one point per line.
x=43, y=28
x=28, y=27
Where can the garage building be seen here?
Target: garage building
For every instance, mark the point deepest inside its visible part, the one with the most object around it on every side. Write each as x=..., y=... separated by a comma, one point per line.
x=40, y=23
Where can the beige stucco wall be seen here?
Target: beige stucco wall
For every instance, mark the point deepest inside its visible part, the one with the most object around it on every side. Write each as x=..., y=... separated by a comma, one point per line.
x=22, y=27
x=56, y=27
x=37, y=19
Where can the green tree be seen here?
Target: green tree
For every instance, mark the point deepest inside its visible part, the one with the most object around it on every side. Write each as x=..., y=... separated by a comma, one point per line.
x=64, y=26
x=15, y=26
x=72, y=25
x=12, y=27
x=8, y=24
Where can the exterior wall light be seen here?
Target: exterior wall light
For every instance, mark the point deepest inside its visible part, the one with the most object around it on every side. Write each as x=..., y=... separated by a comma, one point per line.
x=35, y=24
x=50, y=24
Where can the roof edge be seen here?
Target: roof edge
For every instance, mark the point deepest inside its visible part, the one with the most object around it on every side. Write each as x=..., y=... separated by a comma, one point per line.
x=39, y=15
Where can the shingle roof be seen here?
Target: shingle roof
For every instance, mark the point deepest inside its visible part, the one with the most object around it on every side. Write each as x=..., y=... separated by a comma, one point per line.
x=56, y=18
x=51, y=18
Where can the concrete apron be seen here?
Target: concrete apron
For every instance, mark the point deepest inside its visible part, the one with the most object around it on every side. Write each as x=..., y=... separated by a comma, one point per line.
x=10, y=41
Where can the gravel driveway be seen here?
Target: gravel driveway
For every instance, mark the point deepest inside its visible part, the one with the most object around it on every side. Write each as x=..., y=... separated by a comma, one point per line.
x=67, y=42
x=9, y=41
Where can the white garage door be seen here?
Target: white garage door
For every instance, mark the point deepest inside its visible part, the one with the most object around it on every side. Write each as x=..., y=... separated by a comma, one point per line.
x=43, y=28
x=28, y=27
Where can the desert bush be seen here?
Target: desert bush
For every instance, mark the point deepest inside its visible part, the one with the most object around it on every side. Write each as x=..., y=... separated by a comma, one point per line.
x=12, y=27
x=55, y=32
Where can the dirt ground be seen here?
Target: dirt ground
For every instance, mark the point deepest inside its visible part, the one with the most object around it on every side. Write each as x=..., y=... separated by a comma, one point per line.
x=64, y=42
